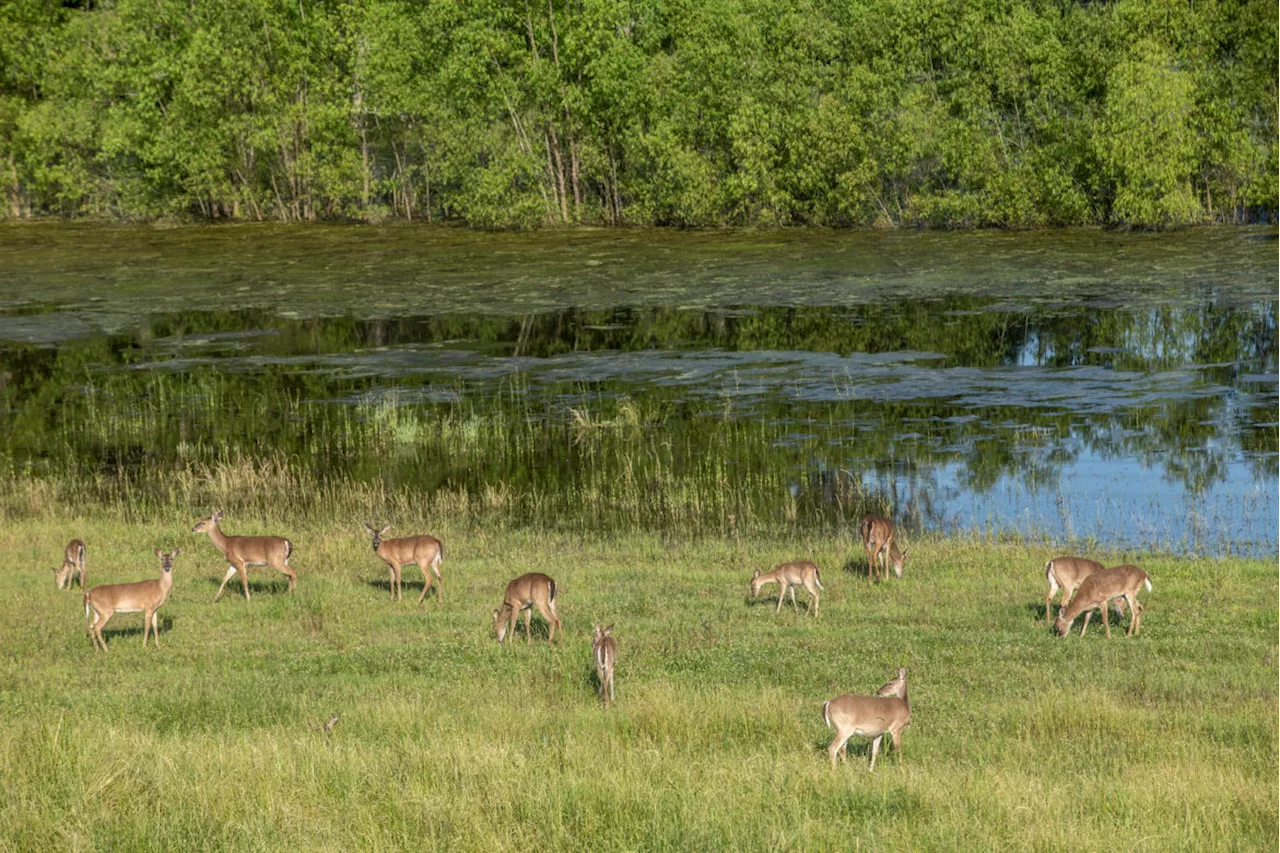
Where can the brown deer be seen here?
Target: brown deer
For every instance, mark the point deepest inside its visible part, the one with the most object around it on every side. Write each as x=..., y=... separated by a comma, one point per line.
x=145, y=597
x=868, y=716
x=425, y=552
x=605, y=652
x=877, y=541
x=788, y=576
x=244, y=551
x=525, y=593
x=1097, y=590
x=1066, y=574
x=72, y=565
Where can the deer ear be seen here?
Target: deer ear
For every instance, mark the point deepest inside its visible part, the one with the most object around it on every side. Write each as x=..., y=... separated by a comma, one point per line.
x=159, y=553
x=904, y=553
x=756, y=575
x=217, y=516
x=368, y=528
x=176, y=552
x=608, y=631
x=384, y=530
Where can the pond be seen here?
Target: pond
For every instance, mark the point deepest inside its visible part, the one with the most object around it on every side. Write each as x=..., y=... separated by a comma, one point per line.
x=1072, y=385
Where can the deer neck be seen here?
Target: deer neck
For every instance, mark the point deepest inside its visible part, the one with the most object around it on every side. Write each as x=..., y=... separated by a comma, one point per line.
x=219, y=538
x=166, y=582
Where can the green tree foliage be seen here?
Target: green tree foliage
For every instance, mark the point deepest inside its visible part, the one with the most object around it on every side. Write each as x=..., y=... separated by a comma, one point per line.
x=521, y=113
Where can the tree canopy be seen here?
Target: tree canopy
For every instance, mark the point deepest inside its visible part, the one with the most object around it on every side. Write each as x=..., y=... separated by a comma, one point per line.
x=497, y=113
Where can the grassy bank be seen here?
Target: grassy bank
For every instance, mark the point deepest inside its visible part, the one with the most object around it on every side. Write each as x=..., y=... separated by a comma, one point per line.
x=1019, y=739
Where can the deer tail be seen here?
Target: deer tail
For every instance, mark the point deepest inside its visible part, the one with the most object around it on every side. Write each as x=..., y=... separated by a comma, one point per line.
x=86, y=605
x=1148, y=583
x=553, y=592
x=817, y=577
x=826, y=716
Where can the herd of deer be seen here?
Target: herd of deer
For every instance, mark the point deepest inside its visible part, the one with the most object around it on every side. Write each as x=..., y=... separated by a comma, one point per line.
x=1085, y=586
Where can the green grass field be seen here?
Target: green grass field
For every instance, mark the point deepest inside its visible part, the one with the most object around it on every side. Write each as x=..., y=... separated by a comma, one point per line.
x=1019, y=740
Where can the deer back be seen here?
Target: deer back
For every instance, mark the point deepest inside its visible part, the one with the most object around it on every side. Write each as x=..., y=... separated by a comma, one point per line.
x=410, y=549
x=1071, y=571
x=876, y=529
x=870, y=716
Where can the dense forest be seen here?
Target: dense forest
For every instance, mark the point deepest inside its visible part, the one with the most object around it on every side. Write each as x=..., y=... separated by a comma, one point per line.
x=524, y=113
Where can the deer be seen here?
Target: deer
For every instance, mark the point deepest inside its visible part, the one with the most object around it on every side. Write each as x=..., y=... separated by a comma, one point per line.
x=244, y=551
x=877, y=541
x=145, y=597
x=1067, y=573
x=604, y=649
x=788, y=576
x=1097, y=590
x=868, y=716
x=72, y=565
x=897, y=687
x=425, y=552
x=525, y=593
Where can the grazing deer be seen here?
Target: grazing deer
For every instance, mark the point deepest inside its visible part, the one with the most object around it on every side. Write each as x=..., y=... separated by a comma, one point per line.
x=877, y=541
x=1097, y=590
x=868, y=716
x=145, y=597
x=605, y=652
x=72, y=564
x=244, y=551
x=425, y=552
x=897, y=687
x=788, y=576
x=1067, y=573
x=525, y=593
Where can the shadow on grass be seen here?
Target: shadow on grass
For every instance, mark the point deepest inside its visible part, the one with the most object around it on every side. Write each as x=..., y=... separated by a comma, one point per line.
x=406, y=587
x=255, y=586
x=123, y=631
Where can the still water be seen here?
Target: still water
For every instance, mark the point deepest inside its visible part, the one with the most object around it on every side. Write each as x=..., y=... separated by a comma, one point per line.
x=1076, y=385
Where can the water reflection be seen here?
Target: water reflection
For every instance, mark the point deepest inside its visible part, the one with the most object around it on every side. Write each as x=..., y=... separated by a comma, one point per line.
x=1149, y=426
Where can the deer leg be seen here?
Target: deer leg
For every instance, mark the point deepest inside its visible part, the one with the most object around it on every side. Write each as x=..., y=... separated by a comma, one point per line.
x=836, y=746
x=231, y=572
x=435, y=570
x=870, y=556
x=102, y=623
x=528, y=620
x=155, y=627
x=146, y=626
x=875, y=750
x=1135, y=616
x=93, y=628
x=1087, y=616
x=289, y=573
x=426, y=584
x=551, y=618
x=243, y=568
x=515, y=615
x=791, y=588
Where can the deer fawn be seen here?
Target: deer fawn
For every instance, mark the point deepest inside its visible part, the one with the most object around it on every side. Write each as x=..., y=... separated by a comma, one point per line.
x=1067, y=573
x=1097, y=590
x=145, y=597
x=72, y=564
x=605, y=652
x=244, y=551
x=877, y=541
x=868, y=716
x=525, y=593
x=425, y=552
x=788, y=576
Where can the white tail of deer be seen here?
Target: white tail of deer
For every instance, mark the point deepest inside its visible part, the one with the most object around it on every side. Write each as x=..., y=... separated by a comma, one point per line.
x=425, y=552
x=244, y=551
x=1066, y=574
x=604, y=650
x=145, y=597
x=523, y=594
x=1100, y=588
x=788, y=576
x=877, y=541
x=867, y=716
x=72, y=565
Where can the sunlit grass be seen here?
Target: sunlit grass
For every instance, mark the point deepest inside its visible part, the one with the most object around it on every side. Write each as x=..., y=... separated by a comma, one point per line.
x=1019, y=740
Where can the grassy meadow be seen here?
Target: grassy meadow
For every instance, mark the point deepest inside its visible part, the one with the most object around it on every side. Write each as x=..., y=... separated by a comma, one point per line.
x=1019, y=740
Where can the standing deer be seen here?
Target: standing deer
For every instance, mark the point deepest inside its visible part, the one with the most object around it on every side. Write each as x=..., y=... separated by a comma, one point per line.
x=877, y=541
x=868, y=716
x=605, y=652
x=525, y=593
x=788, y=576
x=244, y=551
x=72, y=564
x=1067, y=573
x=425, y=552
x=1097, y=590
x=145, y=597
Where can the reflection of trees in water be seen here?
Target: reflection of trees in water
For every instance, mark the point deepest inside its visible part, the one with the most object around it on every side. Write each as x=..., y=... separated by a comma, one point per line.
x=76, y=408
